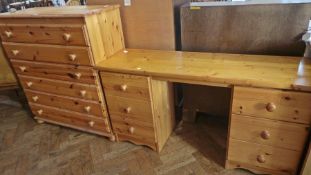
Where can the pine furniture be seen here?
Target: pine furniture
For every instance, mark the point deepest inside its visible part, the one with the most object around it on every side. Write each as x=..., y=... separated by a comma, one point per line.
x=53, y=51
x=80, y=76
x=270, y=107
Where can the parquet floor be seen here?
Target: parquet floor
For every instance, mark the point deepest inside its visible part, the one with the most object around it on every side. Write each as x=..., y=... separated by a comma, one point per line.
x=38, y=149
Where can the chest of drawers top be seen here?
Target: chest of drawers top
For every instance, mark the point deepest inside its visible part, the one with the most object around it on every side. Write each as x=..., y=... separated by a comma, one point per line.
x=94, y=32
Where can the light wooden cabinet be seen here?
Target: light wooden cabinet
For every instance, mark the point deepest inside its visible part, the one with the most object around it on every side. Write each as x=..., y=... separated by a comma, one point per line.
x=141, y=109
x=268, y=130
x=53, y=51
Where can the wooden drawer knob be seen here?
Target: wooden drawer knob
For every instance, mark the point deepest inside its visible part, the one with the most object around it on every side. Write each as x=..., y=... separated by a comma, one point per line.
x=123, y=87
x=261, y=159
x=35, y=98
x=66, y=36
x=15, y=52
x=29, y=84
x=91, y=123
x=127, y=110
x=22, y=68
x=106, y=122
x=265, y=135
x=83, y=93
x=72, y=57
x=40, y=111
x=87, y=109
x=131, y=130
x=270, y=107
x=107, y=129
x=77, y=75
x=112, y=138
x=8, y=34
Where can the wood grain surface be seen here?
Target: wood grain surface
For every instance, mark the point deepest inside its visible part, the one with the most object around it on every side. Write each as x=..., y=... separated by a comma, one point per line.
x=50, y=53
x=288, y=106
x=58, y=12
x=230, y=69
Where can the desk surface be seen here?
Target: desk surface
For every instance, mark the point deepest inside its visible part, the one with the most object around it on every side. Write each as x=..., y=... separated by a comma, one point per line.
x=280, y=72
x=58, y=12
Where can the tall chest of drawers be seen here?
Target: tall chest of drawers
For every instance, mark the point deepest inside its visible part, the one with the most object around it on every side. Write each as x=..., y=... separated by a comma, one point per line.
x=53, y=51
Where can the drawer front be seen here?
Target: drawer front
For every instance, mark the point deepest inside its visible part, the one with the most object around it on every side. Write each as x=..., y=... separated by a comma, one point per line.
x=273, y=104
x=74, y=104
x=44, y=34
x=136, y=109
x=70, y=118
x=283, y=160
x=126, y=85
x=83, y=91
x=129, y=129
x=269, y=132
x=71, y=73
x=49, y=53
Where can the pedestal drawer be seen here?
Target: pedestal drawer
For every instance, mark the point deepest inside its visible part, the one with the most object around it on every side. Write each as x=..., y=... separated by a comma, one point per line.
x=275, y=159
x=78, y=74
x=49, y=53
x=44, y=34
x=273, y=104
x=133, y=130
x=69, y=118
x=269, y=132
x=136, y=109
x=83, y=91
x=125, y=85
x=94, y=108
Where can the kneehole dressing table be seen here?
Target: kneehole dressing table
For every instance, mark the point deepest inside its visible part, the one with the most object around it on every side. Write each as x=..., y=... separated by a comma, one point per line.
x=75, y=72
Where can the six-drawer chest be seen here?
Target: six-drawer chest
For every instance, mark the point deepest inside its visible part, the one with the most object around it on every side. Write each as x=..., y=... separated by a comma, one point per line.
x=75, y=71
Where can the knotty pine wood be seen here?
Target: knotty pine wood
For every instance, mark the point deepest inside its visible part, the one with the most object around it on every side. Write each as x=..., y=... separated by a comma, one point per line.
x=163, y=109
x=100, y=27
x=75, y=104
x=281, y=134
x=142, y=133
x=46, y=38
x=58, y=87
x=139, y=104
x=138, y=108
x=50, y=53
x=246, y=153
x=135, y=86
x=70, y=118
x=47, y=34
x=72, y=73
x=105, y=34
x=76, y=21
x=289, y=106
x=278, y=72
x=60, y=12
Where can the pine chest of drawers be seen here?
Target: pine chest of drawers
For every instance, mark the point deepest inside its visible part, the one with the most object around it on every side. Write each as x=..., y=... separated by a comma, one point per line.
x=53, y=51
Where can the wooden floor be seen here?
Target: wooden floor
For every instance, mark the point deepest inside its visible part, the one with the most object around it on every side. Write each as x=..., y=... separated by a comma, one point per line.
x=37, y=149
